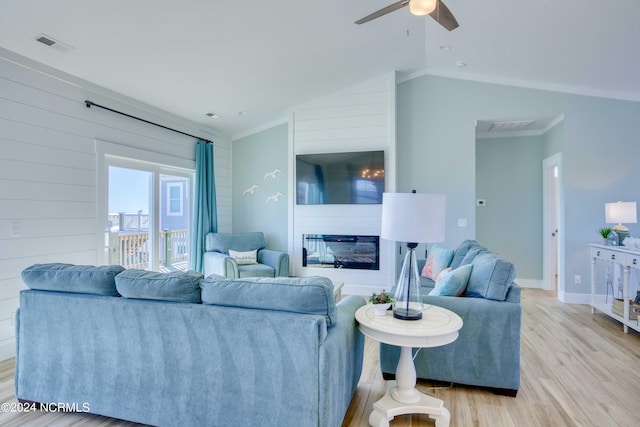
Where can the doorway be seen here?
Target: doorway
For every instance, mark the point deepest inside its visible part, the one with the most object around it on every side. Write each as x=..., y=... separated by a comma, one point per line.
x=519, y=203
x=551, y=173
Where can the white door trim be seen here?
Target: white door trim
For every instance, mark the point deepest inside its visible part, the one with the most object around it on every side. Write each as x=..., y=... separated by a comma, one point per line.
x=548, y=267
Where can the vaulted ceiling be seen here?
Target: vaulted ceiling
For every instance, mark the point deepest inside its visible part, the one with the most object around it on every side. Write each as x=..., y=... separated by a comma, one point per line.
x=196, y=57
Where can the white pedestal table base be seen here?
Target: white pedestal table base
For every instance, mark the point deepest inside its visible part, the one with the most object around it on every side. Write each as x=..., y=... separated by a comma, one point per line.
x=439, y=327
x=385, y=409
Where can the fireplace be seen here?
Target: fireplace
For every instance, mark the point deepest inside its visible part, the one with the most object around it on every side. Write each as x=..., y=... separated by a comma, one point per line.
x=341, y=251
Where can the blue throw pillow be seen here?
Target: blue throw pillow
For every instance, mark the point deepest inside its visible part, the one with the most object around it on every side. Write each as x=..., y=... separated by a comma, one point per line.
x=85, y=279
x=453, y=283
x=179, y=286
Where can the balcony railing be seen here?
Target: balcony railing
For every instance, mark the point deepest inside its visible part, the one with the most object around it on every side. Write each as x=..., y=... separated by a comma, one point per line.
x=131, y=249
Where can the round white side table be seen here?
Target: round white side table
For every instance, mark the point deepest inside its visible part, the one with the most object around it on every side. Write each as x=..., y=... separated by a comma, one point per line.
x=437, y=327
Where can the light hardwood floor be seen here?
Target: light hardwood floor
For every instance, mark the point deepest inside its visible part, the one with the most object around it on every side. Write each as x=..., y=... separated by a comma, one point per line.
x=577, y=369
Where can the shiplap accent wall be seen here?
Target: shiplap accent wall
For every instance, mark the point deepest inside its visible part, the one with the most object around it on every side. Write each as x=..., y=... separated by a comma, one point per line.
x=48, y=190
x=359, y=118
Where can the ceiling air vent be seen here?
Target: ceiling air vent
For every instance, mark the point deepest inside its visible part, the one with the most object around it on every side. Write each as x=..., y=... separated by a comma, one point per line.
x=51, y=42
x=48, y=42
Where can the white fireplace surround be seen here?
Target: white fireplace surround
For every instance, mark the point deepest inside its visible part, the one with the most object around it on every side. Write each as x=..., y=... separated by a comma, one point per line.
x=359, y=118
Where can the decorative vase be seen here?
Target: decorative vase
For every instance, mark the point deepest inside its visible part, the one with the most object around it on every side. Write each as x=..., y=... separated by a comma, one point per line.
x=381, y=309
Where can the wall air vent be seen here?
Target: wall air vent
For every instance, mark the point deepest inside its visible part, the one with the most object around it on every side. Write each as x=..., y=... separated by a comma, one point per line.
x=51, y=42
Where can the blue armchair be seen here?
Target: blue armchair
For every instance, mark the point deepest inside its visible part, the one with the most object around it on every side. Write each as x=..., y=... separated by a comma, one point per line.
x=217, y=259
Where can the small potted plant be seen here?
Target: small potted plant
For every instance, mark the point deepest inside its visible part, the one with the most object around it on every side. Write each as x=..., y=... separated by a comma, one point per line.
x=381, y=302
x=604, y=232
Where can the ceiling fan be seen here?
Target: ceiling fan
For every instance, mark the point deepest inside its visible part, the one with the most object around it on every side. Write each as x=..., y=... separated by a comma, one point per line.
x=435, y=8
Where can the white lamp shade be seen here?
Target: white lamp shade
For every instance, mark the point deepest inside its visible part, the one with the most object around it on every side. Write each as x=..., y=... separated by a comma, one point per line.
x=413, y=217
x=422, y=7
x=620, y=212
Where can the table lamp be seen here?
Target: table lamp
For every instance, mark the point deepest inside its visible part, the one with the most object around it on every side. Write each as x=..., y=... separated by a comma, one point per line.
x=619, y=212
x=412, y=218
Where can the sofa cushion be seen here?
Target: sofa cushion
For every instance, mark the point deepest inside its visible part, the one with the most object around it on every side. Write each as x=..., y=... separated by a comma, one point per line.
x=491, y=277
x=471, y=254
x=453, y=283
x=308, y=295
x=85, y=279
x=244, y=258
x=180, y=286
x=438, y=259
x=256, y=270
x=461, y=251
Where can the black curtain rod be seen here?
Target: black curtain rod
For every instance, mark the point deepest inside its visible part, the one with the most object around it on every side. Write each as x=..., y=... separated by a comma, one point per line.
x=90, y=104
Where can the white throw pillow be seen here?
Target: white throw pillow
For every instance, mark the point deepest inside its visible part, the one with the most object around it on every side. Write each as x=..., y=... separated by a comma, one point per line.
x=244, y=258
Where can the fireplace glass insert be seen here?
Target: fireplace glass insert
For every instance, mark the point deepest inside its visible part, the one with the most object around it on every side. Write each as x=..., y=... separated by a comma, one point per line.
x=341, y=251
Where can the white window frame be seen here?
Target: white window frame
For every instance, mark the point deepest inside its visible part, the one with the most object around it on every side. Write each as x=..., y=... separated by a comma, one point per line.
x=111, y=154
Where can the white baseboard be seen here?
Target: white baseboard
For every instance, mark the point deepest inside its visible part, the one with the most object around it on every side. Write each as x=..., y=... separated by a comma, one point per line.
x=7, y=349
x=570, y=298
x=530, y=283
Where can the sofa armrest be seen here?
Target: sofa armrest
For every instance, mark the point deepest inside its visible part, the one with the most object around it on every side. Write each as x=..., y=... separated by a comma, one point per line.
x=486, y=353
x=341, y=358
x=220, y=264
x=279, y=261
x=513, y=294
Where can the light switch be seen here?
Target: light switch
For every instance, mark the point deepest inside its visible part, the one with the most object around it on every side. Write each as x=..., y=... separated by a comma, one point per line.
x=481, y=202
x=462, y=222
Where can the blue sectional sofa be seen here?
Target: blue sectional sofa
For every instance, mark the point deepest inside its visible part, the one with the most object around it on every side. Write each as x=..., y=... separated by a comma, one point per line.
x=177, y=349
x=487, y=351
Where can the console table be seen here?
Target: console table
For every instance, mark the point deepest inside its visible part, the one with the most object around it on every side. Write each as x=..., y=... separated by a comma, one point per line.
x=437, y=327
x=624, y=260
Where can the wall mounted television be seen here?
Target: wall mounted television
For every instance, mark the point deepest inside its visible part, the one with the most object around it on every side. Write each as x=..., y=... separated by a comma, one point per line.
x=340, y=178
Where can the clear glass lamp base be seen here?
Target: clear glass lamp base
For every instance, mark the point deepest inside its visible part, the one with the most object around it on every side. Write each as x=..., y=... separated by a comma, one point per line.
x=408, y=301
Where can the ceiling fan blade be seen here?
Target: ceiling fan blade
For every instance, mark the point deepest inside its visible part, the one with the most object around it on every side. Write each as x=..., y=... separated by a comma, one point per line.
x=392, y=7
x=444, y=17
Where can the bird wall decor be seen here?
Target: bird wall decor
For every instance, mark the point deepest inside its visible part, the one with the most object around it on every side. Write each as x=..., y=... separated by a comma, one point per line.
x=250, y=190
x=272, y=174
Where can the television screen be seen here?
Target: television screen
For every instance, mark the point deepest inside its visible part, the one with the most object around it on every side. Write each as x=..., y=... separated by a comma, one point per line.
x=340, y=178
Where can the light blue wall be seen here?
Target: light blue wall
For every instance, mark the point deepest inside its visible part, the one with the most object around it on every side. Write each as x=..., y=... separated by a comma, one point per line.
x=553, y=140
x=253, y=157
x=509, y=178
x=436, y=152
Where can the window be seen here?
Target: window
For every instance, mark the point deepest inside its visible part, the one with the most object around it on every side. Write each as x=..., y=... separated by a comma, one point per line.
x=174, y=199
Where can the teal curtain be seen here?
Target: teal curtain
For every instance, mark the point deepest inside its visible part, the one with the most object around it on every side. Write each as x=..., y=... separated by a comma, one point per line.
x=205, y=218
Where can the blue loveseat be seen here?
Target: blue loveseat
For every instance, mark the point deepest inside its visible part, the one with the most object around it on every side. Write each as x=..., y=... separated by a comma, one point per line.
x=487, y=351
x=177, y=349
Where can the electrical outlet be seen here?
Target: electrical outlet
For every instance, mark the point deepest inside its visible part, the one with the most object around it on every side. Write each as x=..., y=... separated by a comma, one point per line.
x=577, y=279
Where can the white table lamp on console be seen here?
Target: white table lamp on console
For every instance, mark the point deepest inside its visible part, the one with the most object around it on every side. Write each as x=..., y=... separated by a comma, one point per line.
x=621, y=212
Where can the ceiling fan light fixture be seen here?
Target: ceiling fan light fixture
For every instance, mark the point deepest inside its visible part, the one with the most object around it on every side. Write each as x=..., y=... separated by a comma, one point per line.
x=422, y=7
